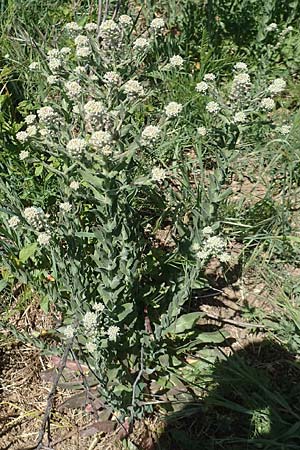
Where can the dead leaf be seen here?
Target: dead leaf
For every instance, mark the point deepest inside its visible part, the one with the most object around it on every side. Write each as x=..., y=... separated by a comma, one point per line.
x=106, y=426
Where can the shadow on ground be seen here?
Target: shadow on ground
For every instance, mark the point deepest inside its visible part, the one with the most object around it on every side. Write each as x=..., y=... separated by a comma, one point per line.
x=254, y=404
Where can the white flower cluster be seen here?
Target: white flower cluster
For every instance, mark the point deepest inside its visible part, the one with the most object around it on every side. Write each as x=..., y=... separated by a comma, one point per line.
x=55, y=62
x=34, y=216
x=284, y=129
x=23, y=155
x=110, y=33
x=202, y=131
x=82, y=46
x=125, y=21
x=271, y=27
x=133, y=89
x=213, y=107
x=209, y=77
x=157, y=25
x=172, y=109
x=30, y=119
x=65, y=207
x=150, y=135
x=22, y=136
x=72, y=28
x=112, y=332
x=213, y=247
x=75, y=185
x=100, y=139
x=94, y=112
x=239, y=117
x=202, y=87
x=141, y=44
x=76, y=146
x=13, y=222
x=158, y=174
x=91, y=27
x=240, y=86
x=277, y=86
x=47, y=115
x=241, y=67
x=176, y=61
x=89, y=321
x=69, y=331
x=267, y=104
x=112, y=78
x=44, y=238
x=73, y=89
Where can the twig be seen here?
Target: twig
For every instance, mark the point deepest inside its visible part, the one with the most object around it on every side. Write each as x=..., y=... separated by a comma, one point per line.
x=89, y=395
x=99, y=17
x=39, y=443
x=116, y=9
x=234, y=322
x=135, y=383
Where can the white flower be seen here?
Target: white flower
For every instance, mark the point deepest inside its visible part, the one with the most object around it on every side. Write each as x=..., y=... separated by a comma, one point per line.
x=81, y=41
x=89, y=321
x=240, y=85
x=207, y=231
x=157, y=25
x=47, y=115
x=44, y=238
x=76, y=146
x=54, y=64
x=53, y=53
x=150, y=134
x=65, y=51
x=209, y=77
x=83, y=52
x=74, y=185
x=133, y=88
x=33, y=66
x=91, y=347
x=172, y=109
x=241, y=66
x=90, y=27
x=284, y=129
x=99, y=307
x=109, y=30
x=224, y=257
x=73, y=28
x=52, y=79
x=69, y=331
x=22, y=136
x=79, y=70
x=158, y=174
x=94, y=111
x=240, y=117
x=100, y=138
x=125, y=20
x=141, y=44
x=112, y=78
x=13, y=222
x=272, y=27
x=202, y=131
x=31, y=130
x=277, y=86
x=213, y=107
x=23, y=154
x=76, y=109
x=202, y=87
x=65, y=207
x=113, y=332
x=34, y=216
x=176, y=61
x=267, y=104
x=73, y=89
x=30, y=119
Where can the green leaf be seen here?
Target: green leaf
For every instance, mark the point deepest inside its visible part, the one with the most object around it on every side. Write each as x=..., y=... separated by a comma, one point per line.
x=27, y=252
x=38, y=170
x=127, y=309
x=44, y=304
x=184, y=322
